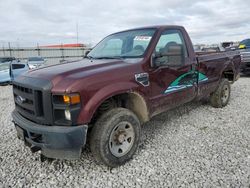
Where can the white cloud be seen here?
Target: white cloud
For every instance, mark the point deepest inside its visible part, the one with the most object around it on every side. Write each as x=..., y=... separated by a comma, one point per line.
x=50, y=22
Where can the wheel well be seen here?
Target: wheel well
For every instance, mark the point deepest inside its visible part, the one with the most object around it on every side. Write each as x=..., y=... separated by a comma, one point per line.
x=229, y=74
x=132, y=101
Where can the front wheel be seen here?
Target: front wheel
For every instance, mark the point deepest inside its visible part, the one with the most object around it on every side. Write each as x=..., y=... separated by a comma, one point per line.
x=221, y=96
x=115, y=137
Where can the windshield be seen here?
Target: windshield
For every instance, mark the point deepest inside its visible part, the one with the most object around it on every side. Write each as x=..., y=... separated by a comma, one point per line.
x=128, y=44
x=4, y=67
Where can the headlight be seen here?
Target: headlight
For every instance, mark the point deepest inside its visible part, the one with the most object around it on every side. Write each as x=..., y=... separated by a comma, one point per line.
x=67, y=115
x=66, y=108
x=32, y=66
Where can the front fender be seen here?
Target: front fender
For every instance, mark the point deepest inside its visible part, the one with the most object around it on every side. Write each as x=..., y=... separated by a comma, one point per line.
x=101, y=95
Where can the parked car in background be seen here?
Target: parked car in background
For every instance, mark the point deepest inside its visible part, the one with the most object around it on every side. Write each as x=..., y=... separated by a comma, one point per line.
x=244, y=48
x=245, y=44
x=197, y=48
x=7, y=59
x=35, y=62
x=208, y=48
x=230, y=46
x=211, y=49
x=5, y=69
x=17, y=68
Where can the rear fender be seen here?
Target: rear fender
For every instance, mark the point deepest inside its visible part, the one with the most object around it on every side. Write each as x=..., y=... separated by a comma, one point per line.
x=228, y=68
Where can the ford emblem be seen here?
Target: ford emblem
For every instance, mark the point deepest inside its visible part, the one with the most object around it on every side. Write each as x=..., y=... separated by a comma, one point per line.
x=20, y=99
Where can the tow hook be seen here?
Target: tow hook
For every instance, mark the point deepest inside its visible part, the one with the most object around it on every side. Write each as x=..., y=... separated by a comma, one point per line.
x=35, y=149
x=44, y=158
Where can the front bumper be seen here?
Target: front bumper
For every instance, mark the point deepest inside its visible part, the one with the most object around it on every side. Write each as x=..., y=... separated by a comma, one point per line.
x=58, y=142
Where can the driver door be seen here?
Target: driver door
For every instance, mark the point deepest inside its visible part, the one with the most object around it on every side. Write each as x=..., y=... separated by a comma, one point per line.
x=173, y=78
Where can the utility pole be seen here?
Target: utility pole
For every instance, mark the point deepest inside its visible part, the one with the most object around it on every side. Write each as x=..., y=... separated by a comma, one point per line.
x=3, y=50
x=9, y=49
x=77, y=32
x=38, y=49
x=18, y=48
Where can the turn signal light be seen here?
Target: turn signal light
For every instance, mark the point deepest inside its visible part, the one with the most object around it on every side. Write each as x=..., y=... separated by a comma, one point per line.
x=71, y=99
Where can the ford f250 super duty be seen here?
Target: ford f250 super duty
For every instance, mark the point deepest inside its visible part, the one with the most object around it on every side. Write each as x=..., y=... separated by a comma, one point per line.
x=128, y=78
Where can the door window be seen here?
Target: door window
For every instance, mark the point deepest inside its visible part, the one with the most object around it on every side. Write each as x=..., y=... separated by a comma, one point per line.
x=171, y=49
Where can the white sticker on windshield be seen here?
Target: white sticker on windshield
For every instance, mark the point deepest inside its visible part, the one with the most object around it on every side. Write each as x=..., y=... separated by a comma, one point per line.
x=143, y=38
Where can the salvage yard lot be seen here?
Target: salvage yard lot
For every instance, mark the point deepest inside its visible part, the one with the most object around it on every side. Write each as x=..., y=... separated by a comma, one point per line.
x=193, y=145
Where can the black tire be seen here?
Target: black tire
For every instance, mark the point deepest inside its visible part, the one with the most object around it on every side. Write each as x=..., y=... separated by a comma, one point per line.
x=110, y=125
x=221, y=96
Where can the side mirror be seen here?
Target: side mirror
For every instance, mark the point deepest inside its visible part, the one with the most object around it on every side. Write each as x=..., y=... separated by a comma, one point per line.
x=86, y=53
x=172, y=55
x=173, y=50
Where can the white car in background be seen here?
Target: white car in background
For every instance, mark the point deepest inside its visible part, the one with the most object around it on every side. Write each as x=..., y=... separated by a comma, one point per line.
x=35, y=62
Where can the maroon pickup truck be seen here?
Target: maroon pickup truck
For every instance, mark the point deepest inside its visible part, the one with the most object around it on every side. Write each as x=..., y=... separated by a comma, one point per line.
x=128, y=78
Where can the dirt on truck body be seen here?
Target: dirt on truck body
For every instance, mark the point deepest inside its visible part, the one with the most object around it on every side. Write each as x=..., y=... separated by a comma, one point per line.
x=128, y=78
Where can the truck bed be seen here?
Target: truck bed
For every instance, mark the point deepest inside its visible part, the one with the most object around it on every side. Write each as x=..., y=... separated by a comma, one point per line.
x=210, y=56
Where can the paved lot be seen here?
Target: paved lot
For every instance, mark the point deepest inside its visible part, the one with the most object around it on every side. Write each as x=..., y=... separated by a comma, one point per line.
x=192, y=146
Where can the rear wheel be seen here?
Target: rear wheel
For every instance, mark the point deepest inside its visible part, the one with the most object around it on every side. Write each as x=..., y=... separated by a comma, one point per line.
x=115, y=137
x=221, y=96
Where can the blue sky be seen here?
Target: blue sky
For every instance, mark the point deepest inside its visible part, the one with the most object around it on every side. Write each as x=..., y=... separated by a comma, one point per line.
x=28, y=22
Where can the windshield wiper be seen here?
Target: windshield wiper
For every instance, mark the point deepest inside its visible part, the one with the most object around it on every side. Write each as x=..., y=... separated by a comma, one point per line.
x=89, y=57
x=110, y=57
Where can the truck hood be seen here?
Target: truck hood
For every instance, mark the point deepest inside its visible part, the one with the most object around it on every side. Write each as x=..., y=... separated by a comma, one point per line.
x=71, y=71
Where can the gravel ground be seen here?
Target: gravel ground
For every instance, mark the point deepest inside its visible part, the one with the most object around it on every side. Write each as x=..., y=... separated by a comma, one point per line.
x=192, y=146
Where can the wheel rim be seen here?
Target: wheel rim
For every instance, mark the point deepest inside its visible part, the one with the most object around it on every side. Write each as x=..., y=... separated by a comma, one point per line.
x=121, y=139
x=225, y=94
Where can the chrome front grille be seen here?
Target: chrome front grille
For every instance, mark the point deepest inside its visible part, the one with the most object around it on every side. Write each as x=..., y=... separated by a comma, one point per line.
x=32, y=98
x=28, y=101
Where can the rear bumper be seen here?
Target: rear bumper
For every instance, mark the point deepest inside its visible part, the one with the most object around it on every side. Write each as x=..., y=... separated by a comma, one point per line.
x=58, y=142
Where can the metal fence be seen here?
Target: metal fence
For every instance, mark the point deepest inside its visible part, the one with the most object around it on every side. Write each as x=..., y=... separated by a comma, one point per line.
x=53, y=55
